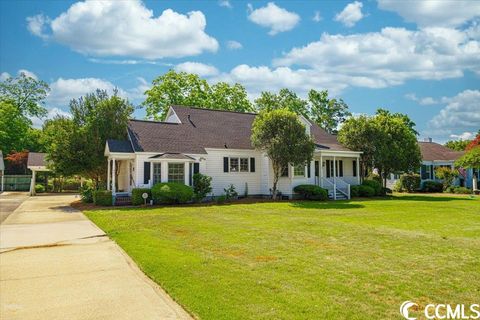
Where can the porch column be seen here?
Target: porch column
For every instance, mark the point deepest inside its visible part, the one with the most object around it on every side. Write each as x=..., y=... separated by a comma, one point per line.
x=32, y=183
x=113, y=176
x=129, y=181
x=334, y=178
x=108, y=174
x=358, y=169
x=321, y=171
x=186, y=173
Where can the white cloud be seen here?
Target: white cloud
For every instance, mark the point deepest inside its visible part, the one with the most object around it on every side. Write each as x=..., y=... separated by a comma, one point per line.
x=391, y=56
x=351, y=14
x=201, y=69
x=126, y=28
x=317, y=17
x=5, y=75
x=137, y=93
x=461, y=114
x=463, y=136
x=234, y=45
x=273, y=17
x=225, y=4
x=433, y=13
x=426, y=101
x=52, y=113
x=64, y=90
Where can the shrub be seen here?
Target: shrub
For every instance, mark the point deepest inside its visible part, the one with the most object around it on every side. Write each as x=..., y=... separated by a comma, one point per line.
x=354, y=191
x=102, y=197
x=137, y=198
x=221, y=199
x=450, y=189
x=230, y=192
x=410, y=182
x=86, y=194
x=39, y=188
x=311, y=192
x=171, y=192
x=375, y=185
x=202, y=186
x=374, y=177
x=366, y=191
x=386, y=191
x=398, y=186
x=432, y=186
x=447, y=174
x=462, y=190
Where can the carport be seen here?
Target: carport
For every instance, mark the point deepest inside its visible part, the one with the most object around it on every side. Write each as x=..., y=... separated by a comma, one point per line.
x=36, y=162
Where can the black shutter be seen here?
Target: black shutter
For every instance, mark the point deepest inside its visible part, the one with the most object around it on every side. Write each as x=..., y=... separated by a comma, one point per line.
x=328, y=168
x=190, y=175
x=252, y=164
x=317, y=169
x=146, y=172
x=431, y=172
x=196, y=167
x=341, y=167
x=354, y=162
x=225, y=164
x=309, y=169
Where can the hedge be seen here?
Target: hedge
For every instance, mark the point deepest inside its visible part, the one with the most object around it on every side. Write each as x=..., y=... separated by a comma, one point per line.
x=462, y=190
x=39, y=188
x=375, y=185
x=102, y=197
x=366, y=191
x=311, y=192
x=409, y=182
x=137, y=198
x=171, y=192
x=432, y=186
x=354, y=191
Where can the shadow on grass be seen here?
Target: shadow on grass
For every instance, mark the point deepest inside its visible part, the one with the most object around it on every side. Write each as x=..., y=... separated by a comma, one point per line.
x=326, y=205
x=431, y=198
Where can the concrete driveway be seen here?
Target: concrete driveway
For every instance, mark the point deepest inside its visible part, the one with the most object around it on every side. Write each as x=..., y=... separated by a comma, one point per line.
x=9, y=201
x=56, y=264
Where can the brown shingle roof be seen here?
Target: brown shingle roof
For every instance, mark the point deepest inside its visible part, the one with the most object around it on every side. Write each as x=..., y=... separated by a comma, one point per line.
x=432, y=151
x=205, y=128
x=36, y=159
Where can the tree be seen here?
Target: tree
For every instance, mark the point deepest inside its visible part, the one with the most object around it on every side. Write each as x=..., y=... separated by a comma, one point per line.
x=406, y=120
x=14, y=127
x=226, y=97
x=25, y=93
x=17, y=162
x=285, y=99
x=471, y=159
x=457, y=145
x=474, y=143
x=280, y=134
x=448, y=175
x=327, y=113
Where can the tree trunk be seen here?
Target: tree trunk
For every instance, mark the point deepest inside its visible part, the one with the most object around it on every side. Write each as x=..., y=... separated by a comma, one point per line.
x=276, y=174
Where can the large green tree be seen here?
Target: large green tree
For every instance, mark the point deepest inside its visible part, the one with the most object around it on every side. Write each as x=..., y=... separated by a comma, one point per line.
x=457, y=145
x=284, y=99
x=327, y=113
x=14, y=128
x=471, y=159
x=181, y=88
x=280, y=134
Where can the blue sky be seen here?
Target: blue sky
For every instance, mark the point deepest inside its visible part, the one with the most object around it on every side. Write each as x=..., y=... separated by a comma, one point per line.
x=420, y=58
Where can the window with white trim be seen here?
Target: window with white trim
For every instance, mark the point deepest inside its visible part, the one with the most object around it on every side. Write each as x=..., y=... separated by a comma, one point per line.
x=176, y=172
x=157, y=173
x=239, y=164
x=243, y=164
x=233, y=164
x=299, y=170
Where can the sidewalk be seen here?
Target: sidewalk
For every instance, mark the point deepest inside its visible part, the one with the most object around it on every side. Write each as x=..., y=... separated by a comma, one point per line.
x=56, y=264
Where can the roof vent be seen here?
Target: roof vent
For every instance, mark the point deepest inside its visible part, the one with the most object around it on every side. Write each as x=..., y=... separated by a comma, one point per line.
x=428, y=139
x=190, y=120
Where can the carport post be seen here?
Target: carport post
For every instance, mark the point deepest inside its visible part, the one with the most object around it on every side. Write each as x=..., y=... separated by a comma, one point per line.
x=3, y=181
x=32, y=183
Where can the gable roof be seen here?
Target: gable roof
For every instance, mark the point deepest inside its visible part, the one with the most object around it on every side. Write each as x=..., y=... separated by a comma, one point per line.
x=432, y=151
x=36, y=159
x=206, y=128
x=119, y=146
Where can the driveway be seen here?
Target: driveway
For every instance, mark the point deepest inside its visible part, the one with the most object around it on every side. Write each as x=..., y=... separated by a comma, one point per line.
x=56, y=264
x=9, y=201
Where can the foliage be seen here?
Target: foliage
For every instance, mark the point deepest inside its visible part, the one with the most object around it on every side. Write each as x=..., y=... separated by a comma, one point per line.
x=474, y=143
x=181, y=88
x=447, y=174
x=327, y=113
x=354, y=191
x=386, y=191
x=281, y=135
x=26, y=94
x=86, y=194
x=471, y=159
x=374, y=176
x=230, y=192
x=285, y=99
x=462, y=190
x=457, y=145
x=39, y=188
x=365, y=191
x=102, y=197
x=409, y=182
x=14, y=127
x=311, y=192
x=221, y=199
x=398, y=186
x=17, y=162
x=202, y=186
x=137, y=198
x=375, y=185
x=171, y=192
x=432, y=186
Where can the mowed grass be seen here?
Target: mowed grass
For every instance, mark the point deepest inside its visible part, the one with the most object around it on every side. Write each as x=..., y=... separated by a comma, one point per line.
x=306, y=260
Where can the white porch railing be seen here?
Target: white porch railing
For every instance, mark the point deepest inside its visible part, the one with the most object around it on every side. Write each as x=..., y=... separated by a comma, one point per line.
x=334, y=185
x=343, y=187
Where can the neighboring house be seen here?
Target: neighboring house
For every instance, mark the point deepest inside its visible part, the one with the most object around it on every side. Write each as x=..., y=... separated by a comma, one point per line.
x=36, y=162
x=217, y=143
x=435, y=155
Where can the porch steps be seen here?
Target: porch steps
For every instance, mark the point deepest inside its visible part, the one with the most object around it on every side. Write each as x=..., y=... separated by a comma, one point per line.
x=340, y=196
x=123, y=200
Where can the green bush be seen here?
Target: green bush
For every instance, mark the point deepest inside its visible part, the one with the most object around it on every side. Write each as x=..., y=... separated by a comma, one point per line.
x=432, y=186
x=137, y=198
x=374, y=177
x=230, y=192
x=311, y=192
x=221, y=199
x=450, y=189
x=386, y=191
x=39, y=188
x=366, y=191
x=398, y=186
x=102, y=197
x=86, y=194
x=375, y=185
x=462, y=190
x=171, y=192
x=410, y=182
x=202, y=186
x=354, y=191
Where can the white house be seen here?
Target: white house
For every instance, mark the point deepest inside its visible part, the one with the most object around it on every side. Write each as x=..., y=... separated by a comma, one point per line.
x=217, y=143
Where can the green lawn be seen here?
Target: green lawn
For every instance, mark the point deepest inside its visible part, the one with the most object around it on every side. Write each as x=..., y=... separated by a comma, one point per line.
x=306, y=260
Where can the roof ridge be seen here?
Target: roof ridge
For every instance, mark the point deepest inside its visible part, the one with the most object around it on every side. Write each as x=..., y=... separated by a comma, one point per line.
x=218, y=110
x=152, y=121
